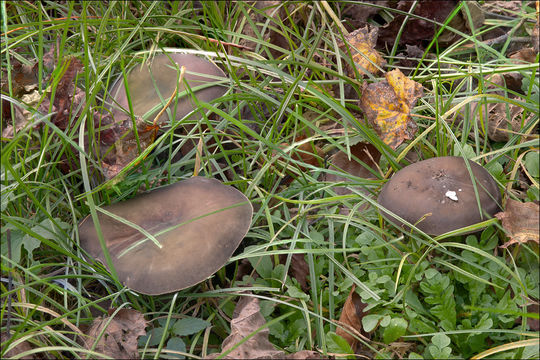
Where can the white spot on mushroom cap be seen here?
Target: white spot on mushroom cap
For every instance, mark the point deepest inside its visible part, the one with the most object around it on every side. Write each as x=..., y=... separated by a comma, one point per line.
x=451, y=195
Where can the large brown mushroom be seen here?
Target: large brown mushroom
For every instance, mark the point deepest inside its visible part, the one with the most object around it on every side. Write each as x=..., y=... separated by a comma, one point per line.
x=199, y=223
x=154, y=84
x=437, y=195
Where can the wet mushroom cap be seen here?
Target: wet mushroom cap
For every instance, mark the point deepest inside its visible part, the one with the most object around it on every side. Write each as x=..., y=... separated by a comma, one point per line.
x=437, y=195
x=162, y=75
x=213, y=219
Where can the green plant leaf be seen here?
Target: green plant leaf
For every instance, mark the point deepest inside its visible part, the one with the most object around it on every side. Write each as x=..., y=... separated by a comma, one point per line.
x=338, y=345
x=437, y=353
x=263, y=265
x=495, y=169
x=176, y=344
x=532, y=161
x=189, y=326
x=294, y=292
x=30, y=244
x=440, y=294
x=395, y=330
x=386, y=320
x=154, y=334
x=411, y=299
x=468, y=151
x=17, y=243
x=440, y=340
x=370, y=322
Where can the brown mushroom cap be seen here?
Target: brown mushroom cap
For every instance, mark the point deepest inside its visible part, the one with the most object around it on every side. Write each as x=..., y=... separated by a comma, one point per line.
x=441, y=187
x=190, y=253
x=162, y=74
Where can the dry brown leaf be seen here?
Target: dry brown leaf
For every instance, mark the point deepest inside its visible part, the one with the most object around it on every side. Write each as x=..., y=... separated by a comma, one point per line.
x=306, y=153
x=416, y=30
x=365, y=152
x=401, y=348
x=116, y=142
x=67, y=96
x=271, y=11
x=124, y=148
x=247, y=318
x=15, y=122
x=524, y=56
x=361, y=44
x=387, y=106
x=534, y=324
x=299, y=269
x=461, y=23
x=351, y=315
x=521, y=222
x=24, y=81
x=356, y=14
x=24, y=78
x=503, y=119
x=409, y=59
x=304, y=354
x=119, y=340
x=504, y=7
x=17, y=349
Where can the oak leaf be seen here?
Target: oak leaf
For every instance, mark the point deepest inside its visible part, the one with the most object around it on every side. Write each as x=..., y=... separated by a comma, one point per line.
x=387, y=106
x=247, y=319
x=521, y=221
x=119, y=340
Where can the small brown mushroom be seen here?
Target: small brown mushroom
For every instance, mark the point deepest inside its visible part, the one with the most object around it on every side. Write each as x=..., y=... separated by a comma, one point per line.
x=437, y=195
x=163, y=75
x=199, y=222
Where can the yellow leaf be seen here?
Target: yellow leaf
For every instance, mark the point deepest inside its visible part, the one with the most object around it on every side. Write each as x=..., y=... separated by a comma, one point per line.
x=362, y=46
x=387, y=106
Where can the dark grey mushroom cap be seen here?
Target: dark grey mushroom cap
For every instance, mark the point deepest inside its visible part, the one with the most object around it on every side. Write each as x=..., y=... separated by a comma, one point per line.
x=437, y=195
x=213, y=219
x=162, y=75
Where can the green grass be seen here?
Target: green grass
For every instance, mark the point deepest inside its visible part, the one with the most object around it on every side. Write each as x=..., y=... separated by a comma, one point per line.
x=399, y=276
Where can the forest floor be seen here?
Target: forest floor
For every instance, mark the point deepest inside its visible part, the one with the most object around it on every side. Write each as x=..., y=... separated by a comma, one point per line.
x=321, y=104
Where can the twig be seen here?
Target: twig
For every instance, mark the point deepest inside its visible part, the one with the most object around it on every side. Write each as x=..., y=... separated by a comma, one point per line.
x=502, y=38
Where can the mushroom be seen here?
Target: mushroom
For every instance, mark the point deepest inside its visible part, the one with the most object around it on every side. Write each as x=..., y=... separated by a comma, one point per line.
x=199, y=223
x=437, y=195
x=163, y=75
